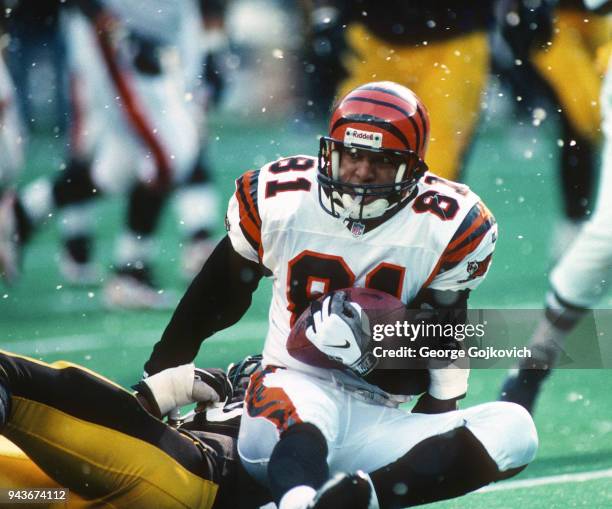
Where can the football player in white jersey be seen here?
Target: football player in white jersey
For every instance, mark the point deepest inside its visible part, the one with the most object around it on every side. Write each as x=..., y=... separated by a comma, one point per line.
x=129, y=100
x=365, y=213
x=579, y=279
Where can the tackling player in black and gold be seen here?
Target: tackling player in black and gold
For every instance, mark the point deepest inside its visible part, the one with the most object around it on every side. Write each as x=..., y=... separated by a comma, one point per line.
x=88, y=434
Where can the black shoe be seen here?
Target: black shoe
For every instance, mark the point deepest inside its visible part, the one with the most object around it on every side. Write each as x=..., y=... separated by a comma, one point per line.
x=344, y=491
x=523, y=387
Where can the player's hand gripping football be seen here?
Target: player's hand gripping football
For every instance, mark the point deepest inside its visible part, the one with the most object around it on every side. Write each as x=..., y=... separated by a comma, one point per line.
x=182, y=385
x=339, y=328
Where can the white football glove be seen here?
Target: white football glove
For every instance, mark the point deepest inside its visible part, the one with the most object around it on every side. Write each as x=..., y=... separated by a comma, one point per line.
x=340, y=329
x=182, y=385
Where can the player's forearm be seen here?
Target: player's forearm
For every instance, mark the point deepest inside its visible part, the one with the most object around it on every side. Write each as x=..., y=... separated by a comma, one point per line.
x=447, y=383
x=216, y=299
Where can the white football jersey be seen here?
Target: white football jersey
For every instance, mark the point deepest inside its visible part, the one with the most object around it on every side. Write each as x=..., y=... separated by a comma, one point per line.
x=442, y=239
x=126, y=121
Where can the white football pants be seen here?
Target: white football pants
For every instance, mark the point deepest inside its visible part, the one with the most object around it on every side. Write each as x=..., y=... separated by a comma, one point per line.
x=368, y=436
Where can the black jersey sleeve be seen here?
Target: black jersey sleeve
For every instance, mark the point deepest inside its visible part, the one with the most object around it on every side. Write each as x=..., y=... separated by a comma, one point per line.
x=216, y=299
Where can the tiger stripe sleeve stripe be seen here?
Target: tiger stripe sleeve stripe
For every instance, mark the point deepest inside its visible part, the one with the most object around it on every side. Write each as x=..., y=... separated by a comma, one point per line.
x=466, y=239
x=475, y=218
x=250, y=220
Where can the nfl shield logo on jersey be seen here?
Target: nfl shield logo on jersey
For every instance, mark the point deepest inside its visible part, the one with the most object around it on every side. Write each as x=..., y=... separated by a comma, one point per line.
x=357, y=229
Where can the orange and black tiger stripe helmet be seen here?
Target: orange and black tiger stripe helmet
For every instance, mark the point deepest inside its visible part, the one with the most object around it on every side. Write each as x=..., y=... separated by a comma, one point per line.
x=382, y=117
x=387, y=108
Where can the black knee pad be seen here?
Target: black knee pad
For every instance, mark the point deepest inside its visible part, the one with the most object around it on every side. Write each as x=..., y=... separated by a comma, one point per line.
x=74, y=185
x=299, y=458
x=145, y=208
x=201, y=173
x=79, y=247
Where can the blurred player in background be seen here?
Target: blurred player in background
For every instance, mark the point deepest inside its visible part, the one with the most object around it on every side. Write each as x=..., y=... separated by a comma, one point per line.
x=36, y=38
x=138, y=126
x=203, y=46
x=553, y=56
x=195, y=36
x=578, y=280
x=11, y=130
x=364, y=213
x=441, y=50
x=438, y=49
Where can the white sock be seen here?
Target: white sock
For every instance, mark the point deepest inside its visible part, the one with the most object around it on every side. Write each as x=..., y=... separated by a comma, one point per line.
x=548, y=339
x=37, y=199
x=134, y=251
x=197, y=208
x=76, y=220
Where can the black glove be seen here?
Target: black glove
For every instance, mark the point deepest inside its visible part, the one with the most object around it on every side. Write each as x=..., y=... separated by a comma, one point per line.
x=239, y=374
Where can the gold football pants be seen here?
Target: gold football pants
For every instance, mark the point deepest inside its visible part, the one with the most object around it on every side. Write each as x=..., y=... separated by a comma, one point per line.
x=570, y=66
x=89, y=435
x=448, y=75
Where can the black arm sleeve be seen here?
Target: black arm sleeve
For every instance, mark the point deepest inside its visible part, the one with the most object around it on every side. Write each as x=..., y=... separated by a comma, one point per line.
x=216, y=299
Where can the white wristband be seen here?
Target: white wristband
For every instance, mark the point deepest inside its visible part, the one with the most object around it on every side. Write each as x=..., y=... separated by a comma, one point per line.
x=172, y=387
x=448, y=383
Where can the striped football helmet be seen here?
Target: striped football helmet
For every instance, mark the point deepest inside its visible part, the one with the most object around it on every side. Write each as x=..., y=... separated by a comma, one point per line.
x=384, y=118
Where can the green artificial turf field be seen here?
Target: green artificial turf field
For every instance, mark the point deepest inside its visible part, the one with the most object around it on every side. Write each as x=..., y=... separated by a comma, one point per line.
x=515, y=175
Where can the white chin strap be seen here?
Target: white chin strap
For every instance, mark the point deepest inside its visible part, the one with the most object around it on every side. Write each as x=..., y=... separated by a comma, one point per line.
x=352, y=205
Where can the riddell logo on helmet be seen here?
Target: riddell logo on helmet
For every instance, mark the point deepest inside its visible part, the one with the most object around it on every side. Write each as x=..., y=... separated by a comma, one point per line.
x=357, y=138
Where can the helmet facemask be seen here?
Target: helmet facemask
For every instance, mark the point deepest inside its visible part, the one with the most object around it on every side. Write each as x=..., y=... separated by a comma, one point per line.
x=359, y=202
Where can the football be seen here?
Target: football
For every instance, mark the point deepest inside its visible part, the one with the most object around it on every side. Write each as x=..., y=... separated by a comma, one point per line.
x=381, y=308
